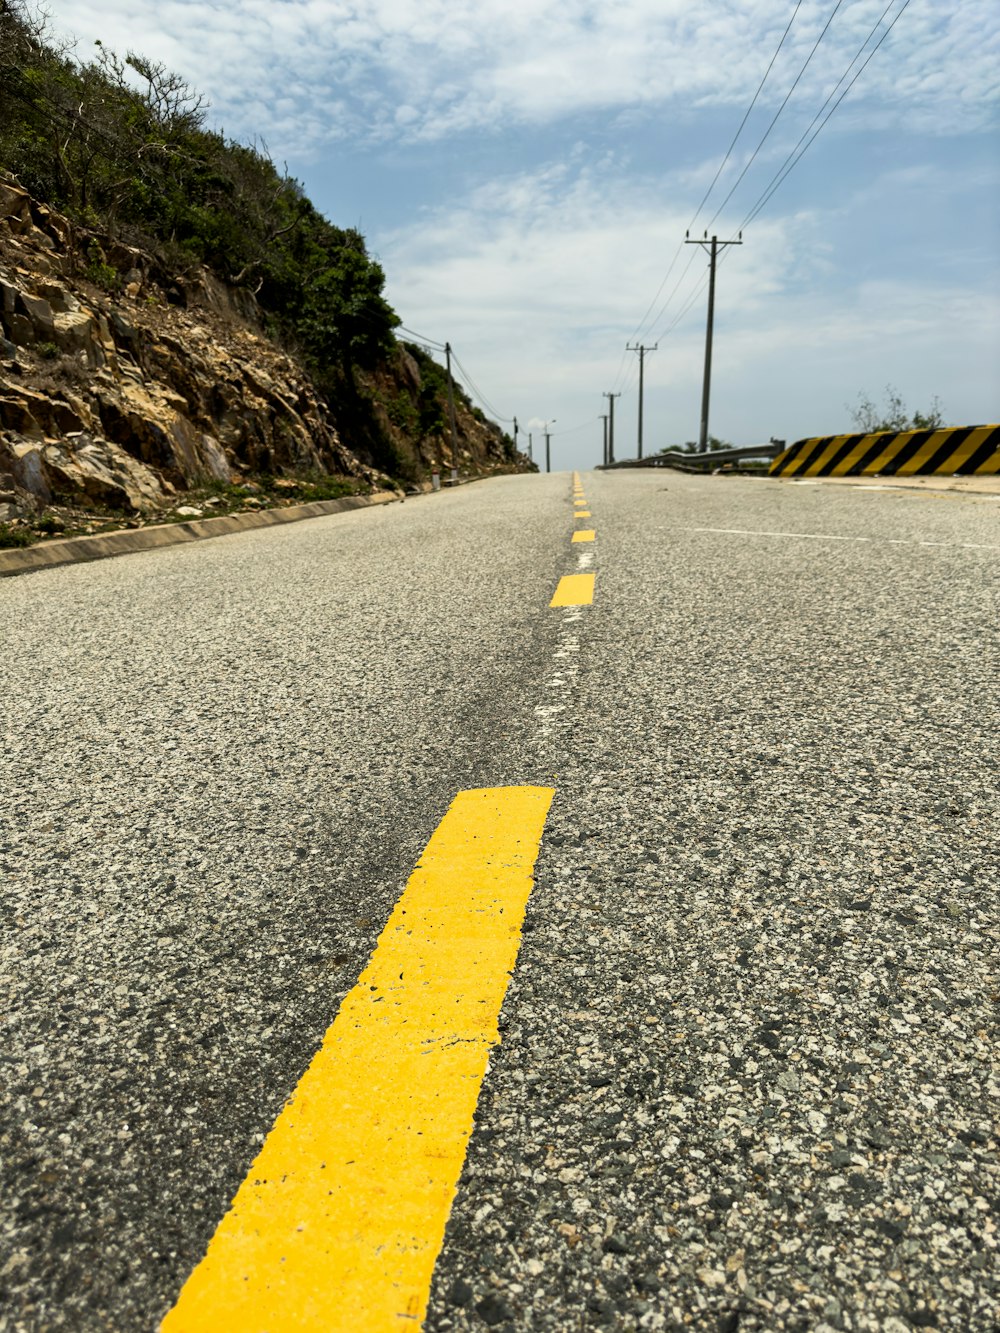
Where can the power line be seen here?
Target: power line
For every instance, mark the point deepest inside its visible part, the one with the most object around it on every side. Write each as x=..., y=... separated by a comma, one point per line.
x=471, y=385
x=781, y=108
x=696, y=292
x=795, y=156
x=746, y=117
x=570, y=430
x=666, y=304
x=642, y=325
x=478, y=392
x=429, y=342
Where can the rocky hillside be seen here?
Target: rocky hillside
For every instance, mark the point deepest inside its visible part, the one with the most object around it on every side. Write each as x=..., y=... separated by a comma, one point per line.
x=128, y=392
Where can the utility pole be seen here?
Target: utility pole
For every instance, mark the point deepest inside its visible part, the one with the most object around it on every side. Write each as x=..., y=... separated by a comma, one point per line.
x=451, y=414
x=531, y=457
x=548, y=456
x=707, y=381
x=611, y=424
x=629, y=347
x=604, y=455
x=515, y=435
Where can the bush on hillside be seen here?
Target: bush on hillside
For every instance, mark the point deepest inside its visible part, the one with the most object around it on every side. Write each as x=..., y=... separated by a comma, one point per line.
x=122, y=145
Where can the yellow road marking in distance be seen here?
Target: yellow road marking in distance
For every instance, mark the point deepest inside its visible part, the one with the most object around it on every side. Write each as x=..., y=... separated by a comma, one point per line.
x=338, y=1224
x=583, y=535
x=582, y=513
x=574, y=590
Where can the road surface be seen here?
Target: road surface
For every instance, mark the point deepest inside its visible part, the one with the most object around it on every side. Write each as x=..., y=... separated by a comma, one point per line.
x=747, y=1076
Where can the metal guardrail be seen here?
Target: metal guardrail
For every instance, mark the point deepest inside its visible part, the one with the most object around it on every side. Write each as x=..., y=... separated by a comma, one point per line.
x=693, y=462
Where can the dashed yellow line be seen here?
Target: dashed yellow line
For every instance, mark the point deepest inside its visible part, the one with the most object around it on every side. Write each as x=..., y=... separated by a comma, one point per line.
x=338, y=1225
x=582, y=513
x=574, y=590
x=583, y=535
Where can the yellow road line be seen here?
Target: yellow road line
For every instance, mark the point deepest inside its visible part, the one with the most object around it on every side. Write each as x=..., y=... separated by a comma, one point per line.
x=338, y=1224
x=574, y=590
x=583, y=535
x=582, y=513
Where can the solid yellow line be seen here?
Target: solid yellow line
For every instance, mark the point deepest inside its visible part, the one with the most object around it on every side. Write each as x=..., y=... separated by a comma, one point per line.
x=338, y=1224
x=583, y=535
x=574, y=590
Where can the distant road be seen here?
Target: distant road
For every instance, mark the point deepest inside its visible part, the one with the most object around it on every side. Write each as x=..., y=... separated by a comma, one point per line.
x=747, y=1078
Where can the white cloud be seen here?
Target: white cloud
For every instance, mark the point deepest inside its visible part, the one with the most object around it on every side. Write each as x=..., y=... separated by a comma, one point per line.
x=423, y=69
x=540, y=276
x=539, y=280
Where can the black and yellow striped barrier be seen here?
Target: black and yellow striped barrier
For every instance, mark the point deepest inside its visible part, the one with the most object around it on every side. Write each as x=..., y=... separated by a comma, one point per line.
x=967, y=451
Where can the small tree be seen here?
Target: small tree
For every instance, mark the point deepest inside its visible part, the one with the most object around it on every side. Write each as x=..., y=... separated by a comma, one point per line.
x=869, y=418
x=345, y=319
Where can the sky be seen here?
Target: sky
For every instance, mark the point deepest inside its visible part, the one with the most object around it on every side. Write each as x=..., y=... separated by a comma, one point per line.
x=525, y=171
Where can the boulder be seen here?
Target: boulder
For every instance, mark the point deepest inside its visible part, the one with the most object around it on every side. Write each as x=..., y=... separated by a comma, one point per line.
x=39, y=312
x=22, y=459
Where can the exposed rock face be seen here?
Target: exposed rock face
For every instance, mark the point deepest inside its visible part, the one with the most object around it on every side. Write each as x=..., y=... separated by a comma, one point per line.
x=127, y=399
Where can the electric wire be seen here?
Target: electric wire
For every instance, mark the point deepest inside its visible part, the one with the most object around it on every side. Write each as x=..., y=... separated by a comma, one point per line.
x=696, y=292
x=478, y=393
x=798, y=152
x=666, y=304
x=570, y=430
x=746, y=117
x=642, y=326
x=735, y=185
x=420, y=338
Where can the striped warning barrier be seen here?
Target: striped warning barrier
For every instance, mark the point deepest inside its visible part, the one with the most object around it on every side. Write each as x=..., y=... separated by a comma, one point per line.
x=965, y=451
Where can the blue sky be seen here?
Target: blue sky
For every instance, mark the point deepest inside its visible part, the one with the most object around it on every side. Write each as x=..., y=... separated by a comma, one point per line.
x=526, y=171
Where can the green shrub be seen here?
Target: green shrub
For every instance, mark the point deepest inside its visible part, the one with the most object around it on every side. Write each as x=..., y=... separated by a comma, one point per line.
x=15, y=536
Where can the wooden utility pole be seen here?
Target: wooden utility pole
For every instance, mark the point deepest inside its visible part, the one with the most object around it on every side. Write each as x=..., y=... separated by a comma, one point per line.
x=630, y=347
x=604, y=455
x=707, y=380
x=611, y=424
x=451, y=414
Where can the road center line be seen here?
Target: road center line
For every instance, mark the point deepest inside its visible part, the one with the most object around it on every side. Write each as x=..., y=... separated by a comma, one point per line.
x=574, y=590
x=583, y=535
x=339, y=1222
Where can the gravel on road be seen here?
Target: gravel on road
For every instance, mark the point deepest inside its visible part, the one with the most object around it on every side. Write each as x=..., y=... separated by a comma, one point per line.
x=747, y=1078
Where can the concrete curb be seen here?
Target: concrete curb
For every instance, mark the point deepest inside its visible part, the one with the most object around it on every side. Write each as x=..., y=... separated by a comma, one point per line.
x=73, y=550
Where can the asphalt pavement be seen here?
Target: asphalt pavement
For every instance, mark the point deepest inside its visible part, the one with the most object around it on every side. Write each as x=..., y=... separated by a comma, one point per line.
x=747, y=1077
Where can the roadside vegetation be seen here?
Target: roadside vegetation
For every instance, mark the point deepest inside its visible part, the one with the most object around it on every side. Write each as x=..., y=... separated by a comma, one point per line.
x=65, y=517
x=122, y=146
x=893, y=414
